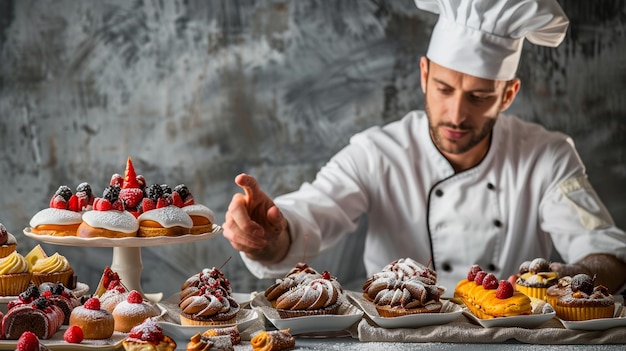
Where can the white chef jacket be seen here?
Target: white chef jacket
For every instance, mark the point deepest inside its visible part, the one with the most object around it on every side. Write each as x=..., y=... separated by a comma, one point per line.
x=528, y=194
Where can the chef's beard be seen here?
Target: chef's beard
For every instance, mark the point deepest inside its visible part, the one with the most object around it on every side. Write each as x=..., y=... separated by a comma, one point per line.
x=456, y=148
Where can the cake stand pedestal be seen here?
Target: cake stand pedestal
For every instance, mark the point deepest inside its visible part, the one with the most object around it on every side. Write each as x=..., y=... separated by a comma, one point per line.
x=126, y=261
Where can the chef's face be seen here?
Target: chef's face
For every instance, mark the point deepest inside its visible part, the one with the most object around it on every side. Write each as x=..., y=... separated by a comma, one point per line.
x=463, y=109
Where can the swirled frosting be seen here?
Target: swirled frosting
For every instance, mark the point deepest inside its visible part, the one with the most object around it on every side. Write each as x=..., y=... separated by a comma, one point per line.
x=13, y=263
x=54, y=263
x=207, y=304
x=407, y=268
x=410, y=293
x=317, y=294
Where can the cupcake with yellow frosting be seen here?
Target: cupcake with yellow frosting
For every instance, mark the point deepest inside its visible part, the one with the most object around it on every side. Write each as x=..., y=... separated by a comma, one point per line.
x=53, y=269
x=14, y=274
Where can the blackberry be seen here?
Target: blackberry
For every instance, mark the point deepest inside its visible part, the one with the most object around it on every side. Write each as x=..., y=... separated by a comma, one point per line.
x=154, y=192
x=582, y=282
x=57, y=289
x=64, y=191
x=31, y=292
x=182, y=190
x=111, y=193
x=41, y=303
x=85, y=187
x=166, y=189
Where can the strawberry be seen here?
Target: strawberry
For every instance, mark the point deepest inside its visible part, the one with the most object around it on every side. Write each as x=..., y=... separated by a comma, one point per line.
x=73, y=334
x=116, y=180
x=72, y=204
x=101, y=204
x=147, y=204
x=28, y=341
x=162, y=202
x=505, y=290
x=175, y=199
x=479, y=277
x=118, y=205
x=92, y=303
x=471, y=275
x=58, y=202
x=490, y=282
x=134, y=297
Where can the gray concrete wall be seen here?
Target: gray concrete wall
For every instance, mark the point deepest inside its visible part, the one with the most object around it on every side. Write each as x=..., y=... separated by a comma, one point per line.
x=199, y=91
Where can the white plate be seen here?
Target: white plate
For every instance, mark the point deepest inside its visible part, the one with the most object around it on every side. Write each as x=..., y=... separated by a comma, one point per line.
x=123, y=242
x=347, y=316
x=525, y=321
x=449, y=312
x=244, y=319
x=618, y=320
x=80, y=290
x=57, y=342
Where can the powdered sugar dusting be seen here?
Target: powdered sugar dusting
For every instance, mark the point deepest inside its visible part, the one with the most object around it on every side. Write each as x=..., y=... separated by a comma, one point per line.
x=120, y=221
x=168, y=217
x=199, y=210
x=134, y=309
x=55, y=216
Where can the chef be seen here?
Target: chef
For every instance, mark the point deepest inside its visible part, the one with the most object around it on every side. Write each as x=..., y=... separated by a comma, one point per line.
x=457, y=184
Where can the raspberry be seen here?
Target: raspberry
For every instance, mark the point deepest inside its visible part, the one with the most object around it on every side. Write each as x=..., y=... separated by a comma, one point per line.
x=134, y=297
x=490, y=282
x=118, y=205
x=116, y=180
x=505, y=290
x=28, y=341
x=479, y=277
x=471, y=275
x=131, y=196
x=59, y=202
x=73, y=334
x=92, y=304
x=83, y=200
x=326, y=275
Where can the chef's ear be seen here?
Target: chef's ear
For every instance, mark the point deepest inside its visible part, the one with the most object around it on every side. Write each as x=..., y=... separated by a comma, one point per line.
x=510, y=92
x=424, y=64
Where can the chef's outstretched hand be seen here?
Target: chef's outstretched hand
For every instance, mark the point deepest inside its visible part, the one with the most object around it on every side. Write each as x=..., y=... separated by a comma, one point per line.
x=254, y=224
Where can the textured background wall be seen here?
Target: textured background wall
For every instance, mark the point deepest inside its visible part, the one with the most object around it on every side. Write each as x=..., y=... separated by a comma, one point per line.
x=199, y=91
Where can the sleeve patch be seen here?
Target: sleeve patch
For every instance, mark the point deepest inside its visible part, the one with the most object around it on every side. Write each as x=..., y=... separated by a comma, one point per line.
x=579, y=192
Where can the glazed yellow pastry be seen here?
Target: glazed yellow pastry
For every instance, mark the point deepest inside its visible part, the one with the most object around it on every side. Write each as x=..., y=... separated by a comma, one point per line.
x=274, y=340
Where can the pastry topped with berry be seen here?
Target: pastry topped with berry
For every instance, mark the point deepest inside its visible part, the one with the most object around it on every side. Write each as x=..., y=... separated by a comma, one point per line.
x=582, y=300
x=487, y=297
x=162, y=214
x=302, y=273
x=64, y=214
x=108, y=218
x=535, y=277
x=96, y=322
x=131, y=188
x=205, y=299
x=202, y=216
x=8, y=243
x=110, y=290
x=132, y=311
x=148, y=336
x=321, y=296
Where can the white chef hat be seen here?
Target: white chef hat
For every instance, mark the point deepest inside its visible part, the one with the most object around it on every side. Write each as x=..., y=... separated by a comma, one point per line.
x=484, y=38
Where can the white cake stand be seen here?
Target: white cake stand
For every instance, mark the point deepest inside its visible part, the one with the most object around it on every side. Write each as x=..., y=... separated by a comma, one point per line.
x=126, y=261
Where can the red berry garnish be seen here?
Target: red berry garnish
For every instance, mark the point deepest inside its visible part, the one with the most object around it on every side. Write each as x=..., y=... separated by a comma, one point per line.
x=162, y=202
x=118, y=205
x=505, y=290
x=479, y=277
x=189, y=200
x=326, y=275
x=116, y=180
x=73, y=334
x=83, y=200
x=72, y=204
x=147, y=204
x=101, y=204
x=176, y=200
x=28, y=341
x=58, y=202
x=471, y=275
x=131, y=196
x=134, y=297
x=92, y=304
x=490, y=282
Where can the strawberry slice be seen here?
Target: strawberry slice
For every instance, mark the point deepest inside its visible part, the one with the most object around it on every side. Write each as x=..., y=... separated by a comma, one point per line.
x=147, y=204
x=72, y=204
x=162, y=202
x=175, y=199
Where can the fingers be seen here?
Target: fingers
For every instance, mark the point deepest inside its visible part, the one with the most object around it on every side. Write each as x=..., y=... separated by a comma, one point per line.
x=275, y=220
x=249, y=185
x=243, y=233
